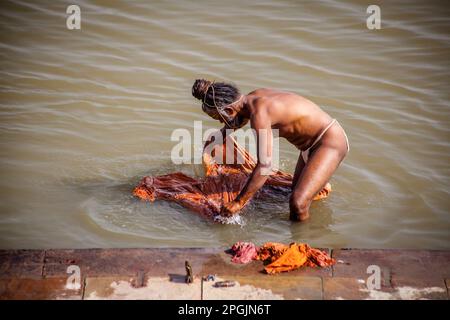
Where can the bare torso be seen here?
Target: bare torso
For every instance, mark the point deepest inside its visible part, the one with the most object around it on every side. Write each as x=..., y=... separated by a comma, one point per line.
x=298, y=119
x=301, y=122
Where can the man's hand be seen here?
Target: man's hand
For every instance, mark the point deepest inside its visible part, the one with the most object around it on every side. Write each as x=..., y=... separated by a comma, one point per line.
x=231, y=208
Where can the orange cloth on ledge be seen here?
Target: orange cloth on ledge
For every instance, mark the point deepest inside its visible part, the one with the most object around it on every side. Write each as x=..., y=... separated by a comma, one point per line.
x=281, y=258
x=222, y=182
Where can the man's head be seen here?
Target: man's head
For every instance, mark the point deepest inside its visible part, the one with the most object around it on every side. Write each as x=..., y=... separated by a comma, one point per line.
x=221, y=101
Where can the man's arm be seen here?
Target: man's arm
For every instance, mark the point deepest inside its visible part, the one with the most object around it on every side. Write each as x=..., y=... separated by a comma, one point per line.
x=262, y=126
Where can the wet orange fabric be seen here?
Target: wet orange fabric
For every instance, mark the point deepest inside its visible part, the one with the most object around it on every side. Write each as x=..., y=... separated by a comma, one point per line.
x=221, y=184
x=281, y=258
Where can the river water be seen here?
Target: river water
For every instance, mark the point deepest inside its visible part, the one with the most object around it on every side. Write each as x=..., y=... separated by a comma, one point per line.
x=84, y=114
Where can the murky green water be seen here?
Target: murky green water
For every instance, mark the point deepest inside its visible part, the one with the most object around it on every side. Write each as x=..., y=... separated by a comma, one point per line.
x=84, y=114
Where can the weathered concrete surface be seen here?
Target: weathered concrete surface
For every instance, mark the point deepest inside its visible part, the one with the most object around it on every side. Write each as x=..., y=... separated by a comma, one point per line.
x=109, y=262
x=21, y=263
x=405, y=274
x=37, y=289
x=338, y=288
x=155, y=288
x=159, y=274
x=267, y=287
x=404, y=264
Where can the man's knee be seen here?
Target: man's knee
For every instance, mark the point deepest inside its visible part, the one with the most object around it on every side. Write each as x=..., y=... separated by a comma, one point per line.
x=299, y=208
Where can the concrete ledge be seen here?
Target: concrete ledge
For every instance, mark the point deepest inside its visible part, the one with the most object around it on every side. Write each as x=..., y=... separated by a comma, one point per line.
x=116, y=273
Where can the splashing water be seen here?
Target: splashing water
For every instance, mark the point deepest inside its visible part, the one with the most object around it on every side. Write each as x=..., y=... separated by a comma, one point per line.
x=234, y=219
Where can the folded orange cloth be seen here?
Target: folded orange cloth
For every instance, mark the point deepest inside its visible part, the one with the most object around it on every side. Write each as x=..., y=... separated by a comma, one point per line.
x=280, y=257
x=222, y=182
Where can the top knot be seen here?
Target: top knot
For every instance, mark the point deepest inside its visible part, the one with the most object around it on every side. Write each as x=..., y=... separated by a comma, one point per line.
x=200, y=88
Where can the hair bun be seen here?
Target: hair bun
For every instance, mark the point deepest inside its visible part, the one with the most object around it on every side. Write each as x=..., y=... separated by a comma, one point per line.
x=200, y=87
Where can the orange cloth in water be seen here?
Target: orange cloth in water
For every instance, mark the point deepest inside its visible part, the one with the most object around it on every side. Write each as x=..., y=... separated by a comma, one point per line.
x=280, y=257
x=222, y=182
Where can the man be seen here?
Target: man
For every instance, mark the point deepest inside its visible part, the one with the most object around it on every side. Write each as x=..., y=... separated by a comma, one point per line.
x=322, y=142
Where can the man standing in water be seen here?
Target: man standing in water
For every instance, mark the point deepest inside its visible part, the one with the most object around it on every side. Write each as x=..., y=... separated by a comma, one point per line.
x=322, y=142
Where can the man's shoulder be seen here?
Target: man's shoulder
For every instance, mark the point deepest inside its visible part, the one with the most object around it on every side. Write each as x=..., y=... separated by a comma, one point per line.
x=260, y=116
